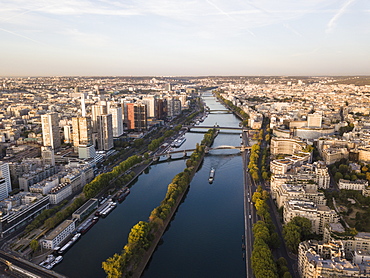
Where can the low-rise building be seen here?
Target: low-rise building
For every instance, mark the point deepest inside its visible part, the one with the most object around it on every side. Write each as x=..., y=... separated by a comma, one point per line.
x=85, y=209
x=59, y=234
x=352, y=185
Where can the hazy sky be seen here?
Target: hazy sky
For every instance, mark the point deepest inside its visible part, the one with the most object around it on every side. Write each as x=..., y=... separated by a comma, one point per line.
x=184, y=37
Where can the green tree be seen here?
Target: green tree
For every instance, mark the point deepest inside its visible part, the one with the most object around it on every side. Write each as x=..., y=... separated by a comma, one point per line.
x=305, y=226
x=292, y=236
x=34, y=244
x=138, y=143
x=343, y=168
x=338, y=176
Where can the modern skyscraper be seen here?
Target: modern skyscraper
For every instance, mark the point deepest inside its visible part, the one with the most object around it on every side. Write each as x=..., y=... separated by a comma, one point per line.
x=105, y=132
x=150, y=102
x=97, y=110
x=5, y=181
x=83, y=106
x=82, y=131
x=161, y=111
x=50, y=130
x=173, y=107
x=117, y=122
x=136, y=116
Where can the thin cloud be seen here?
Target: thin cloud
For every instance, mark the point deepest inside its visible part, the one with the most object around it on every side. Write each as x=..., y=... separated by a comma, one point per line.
x=332, y=23
x=220, y=10
x=21, y=36
x=293, y=30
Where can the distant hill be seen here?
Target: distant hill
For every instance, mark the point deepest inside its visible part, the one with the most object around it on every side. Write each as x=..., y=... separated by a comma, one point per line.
x=356, y=80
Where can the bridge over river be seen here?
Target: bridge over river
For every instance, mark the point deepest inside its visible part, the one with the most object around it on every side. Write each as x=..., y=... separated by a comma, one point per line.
x=25, y=268
x=222, y=129
x=186, y=151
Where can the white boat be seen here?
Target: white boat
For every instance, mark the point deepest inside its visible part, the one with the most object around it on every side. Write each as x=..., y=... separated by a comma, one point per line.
x=179, y=141
x=211, y=175
x=58, y=260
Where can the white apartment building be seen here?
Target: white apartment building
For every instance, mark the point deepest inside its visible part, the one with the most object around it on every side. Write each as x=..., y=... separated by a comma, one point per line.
x=151, y=105
x=318, y=259
x=351, y=243
x=319, y=215
x=117, y=121
x=353, y=185
x=59, y=193
x=281, y=145
x=50, y=130
x=59, y=234
x=6, y=184
x=286, y=192
x=45, y=186
x=322, y=175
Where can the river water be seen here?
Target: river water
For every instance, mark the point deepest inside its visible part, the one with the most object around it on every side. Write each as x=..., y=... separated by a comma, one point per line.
x=203, y=239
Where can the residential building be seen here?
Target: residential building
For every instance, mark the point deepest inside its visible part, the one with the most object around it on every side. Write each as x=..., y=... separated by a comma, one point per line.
x=352, y=185
x=281, y=145
x=136, y=116
x=105, y=132
x=50, y=130
x=6, y=183
x=319, y=259
x=319, y=215
x=82, y=131
x=48, y=156
x=117, y=121
x=59, y=193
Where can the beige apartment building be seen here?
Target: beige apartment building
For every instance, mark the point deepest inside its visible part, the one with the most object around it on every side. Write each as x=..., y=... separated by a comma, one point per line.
x=319, y=260
x=319, y=215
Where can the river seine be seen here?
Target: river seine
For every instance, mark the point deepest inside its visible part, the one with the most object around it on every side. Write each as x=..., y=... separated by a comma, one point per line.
x=205, y=237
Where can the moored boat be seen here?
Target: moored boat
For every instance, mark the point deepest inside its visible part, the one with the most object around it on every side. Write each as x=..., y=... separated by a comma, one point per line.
x=122, y=196
x=179, y=141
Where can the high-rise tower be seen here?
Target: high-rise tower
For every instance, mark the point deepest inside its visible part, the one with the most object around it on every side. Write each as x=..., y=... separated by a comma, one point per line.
x=136, y=116
x=82, y=131
x=105, y=132
x=5, y=181
x=50, y=130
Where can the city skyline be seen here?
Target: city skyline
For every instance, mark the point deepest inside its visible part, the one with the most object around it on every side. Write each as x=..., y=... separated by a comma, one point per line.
x=185, y=38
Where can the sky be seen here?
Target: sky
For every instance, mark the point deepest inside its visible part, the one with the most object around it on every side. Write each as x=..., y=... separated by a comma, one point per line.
x=184, y=37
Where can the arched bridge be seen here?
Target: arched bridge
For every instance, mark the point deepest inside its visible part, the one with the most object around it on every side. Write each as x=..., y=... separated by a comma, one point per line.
x=209, y=127
x=224, y=111
x=186, y=151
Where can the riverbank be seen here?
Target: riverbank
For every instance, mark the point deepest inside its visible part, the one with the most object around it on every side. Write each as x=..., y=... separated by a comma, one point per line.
x=145, y=236
x=158, y=235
